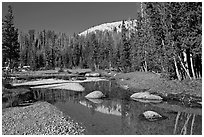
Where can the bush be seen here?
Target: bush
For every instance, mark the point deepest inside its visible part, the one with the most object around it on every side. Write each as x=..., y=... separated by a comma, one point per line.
x=6, y=80
x=168, y=76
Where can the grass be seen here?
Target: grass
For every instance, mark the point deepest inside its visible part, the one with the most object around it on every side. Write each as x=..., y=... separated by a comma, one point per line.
x=154, y=83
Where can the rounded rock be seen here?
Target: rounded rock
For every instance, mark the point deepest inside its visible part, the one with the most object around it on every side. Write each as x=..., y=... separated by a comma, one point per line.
x=95, y=94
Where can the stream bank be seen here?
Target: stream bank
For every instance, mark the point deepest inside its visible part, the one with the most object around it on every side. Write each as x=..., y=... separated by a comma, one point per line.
x=188, y=92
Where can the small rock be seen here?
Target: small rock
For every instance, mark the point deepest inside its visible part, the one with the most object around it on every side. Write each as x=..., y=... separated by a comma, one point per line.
x=95, y=94
x=145, y=95
x=92, y=75
x=152, y=116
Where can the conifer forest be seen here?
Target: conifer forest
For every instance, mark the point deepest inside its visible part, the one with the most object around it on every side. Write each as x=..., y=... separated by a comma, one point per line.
x=167, y=39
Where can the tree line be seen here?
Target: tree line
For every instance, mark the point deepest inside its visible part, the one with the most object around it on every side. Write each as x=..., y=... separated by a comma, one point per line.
x=166, y=39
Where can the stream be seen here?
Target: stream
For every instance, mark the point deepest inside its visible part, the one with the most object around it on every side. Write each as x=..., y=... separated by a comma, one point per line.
x=117, y=114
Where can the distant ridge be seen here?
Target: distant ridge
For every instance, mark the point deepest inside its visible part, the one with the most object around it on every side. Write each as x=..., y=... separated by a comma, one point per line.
x=129, y=24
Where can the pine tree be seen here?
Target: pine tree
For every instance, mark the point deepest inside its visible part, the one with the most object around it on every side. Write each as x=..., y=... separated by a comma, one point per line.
x=125, y=58
x=87, y=53
x=95, y=55
x=24, y=43
x=32, y=50
x=10, y=45
x=109, y=46
x=76, y=50
x=187, y=33
x=118, y=57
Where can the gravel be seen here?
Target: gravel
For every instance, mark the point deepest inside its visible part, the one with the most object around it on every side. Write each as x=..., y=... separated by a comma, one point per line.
x=41, y=118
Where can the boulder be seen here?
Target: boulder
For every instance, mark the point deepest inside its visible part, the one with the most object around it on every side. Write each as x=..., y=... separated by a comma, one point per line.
x=145, y=95
x=95, y=94
x=152, y=116
x=92, y=75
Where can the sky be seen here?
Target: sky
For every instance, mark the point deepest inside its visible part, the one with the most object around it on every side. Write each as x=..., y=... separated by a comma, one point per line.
x=68, y=17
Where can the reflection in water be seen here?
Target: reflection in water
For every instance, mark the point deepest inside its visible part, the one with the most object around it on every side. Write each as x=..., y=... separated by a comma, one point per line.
x=118, y=115
x=95, y=100
x=108, y=107
x=186, y=126
x=178, y=122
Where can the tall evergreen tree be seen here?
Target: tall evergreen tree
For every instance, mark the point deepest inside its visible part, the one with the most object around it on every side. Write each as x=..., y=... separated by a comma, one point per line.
x=76, y=50
x=32, y=50
x=109, y=48
x=125, y=58
x=95, y=46
x=10, y=45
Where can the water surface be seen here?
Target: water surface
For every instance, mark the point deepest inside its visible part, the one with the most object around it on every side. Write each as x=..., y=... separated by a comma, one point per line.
x=118, y=114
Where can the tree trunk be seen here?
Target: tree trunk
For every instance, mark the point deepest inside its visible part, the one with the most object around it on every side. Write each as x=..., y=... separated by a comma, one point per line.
x=95, y=67
x=184, y=67
x=145, y=62
x=192, y=68
x=189, y=62
x=145, y=66
x=141, y=68
x=162, y=56
x=110, y=64
x=98, y=67
x=177, y=71
x=141, y=8
x=186, y=61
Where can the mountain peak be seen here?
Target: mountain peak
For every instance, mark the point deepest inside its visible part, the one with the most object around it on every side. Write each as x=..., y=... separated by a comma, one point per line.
x=117, y=25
